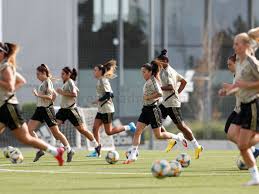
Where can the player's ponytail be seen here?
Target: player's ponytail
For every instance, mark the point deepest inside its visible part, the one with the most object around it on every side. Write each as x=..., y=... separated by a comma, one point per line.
x=10, y=50
x=156, y=67
x=72, y=73
x=163, y=56
x=108, y=69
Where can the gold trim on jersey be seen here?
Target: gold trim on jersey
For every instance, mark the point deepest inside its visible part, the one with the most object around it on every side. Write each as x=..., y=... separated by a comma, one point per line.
x=254, y=117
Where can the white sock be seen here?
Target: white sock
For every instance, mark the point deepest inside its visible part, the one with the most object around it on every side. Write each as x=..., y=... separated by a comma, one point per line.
x=133, y=152
x=52, y=150
x=195, y=144
x=126, y=127
x=94, y=142
x=175, y=137
x=68, y=148
x=254, y=173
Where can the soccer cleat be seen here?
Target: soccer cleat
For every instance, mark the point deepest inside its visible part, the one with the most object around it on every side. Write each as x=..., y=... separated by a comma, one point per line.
x=39, y=154
x=170, y=145
x=98, y=150
x=183, y=140
x=59, y=156
x=198, y=151
x=252, y=182
x=132, y=157
x=70, y=155
x=132, y=127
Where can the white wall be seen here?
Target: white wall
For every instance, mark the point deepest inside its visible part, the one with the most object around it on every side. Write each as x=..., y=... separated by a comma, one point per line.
x=46, y=31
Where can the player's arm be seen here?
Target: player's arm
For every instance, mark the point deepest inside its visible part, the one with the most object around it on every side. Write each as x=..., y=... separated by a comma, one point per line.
x=168, y=87
x=20, y=81
x=66, y=93
x=182, y=85
x=155, y=95
x=48, y=93
x=48, y=97
x=247, y=84
x=8, y=81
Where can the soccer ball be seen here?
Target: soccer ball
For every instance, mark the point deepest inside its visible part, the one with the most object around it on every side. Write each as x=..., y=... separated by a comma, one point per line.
x=112, y=157
x=184, y=159
x=241, y=164
x=128, y=152
x=175, y=168
x=160, y=168
x=16, y=156
x=7, y=150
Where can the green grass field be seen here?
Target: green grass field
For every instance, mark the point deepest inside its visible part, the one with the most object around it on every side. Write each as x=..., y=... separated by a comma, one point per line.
x=215, y=172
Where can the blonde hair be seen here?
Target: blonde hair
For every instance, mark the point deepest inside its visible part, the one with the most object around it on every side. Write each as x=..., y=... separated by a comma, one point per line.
x=245, y=38
x=254, y=34
x=108, y=69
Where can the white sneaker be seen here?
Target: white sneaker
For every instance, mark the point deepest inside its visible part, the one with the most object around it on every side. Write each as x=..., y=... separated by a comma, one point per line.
x=132, y=157
x=252, y=182
x=182, y=140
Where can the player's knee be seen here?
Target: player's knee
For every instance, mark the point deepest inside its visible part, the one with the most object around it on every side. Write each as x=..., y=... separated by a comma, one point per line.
x=27, y=140
x=158, y=135
x=108, y=132
x=243, y=146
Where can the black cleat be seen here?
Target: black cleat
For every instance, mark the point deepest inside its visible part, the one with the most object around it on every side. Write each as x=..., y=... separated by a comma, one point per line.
x=70, y=155
x=38, y=155
x=98, y=150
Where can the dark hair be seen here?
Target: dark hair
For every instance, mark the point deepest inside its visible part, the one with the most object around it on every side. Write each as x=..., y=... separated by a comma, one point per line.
x=101, y=68
x=10, y=50
x=163, y=56
x=233, y=58
x=154, y=67
x=108, y=69
x=73, y=72
x=44, y=69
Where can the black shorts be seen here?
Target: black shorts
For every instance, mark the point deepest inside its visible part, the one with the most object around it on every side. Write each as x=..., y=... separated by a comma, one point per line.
x=11, y=116
x=249, y=115
x=45, y=114
x=234, y=118
x=105, y=117
x=72, y=114
x=173, y=112
x=151, y=115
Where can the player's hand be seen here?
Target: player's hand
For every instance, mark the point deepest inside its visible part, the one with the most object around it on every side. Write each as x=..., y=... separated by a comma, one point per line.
x=145, y=97
x=35, y=92
x=222, y=92
x=227, y=86
x=59, y=91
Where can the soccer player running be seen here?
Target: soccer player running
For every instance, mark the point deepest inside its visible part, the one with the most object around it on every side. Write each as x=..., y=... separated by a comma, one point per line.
x=45, y=112
x=105, y=104
x=69, y=110
x=247, y=81
x=151, y=114
x=171, y=105
x=232, y=127
x=9, y=106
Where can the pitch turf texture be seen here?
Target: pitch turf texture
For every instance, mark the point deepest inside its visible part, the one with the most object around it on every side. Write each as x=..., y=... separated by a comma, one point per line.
x=214, y=172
